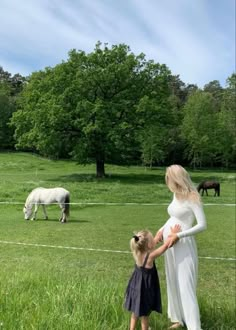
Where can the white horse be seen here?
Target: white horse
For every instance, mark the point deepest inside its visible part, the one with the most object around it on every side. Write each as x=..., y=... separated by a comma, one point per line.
x=45, y=196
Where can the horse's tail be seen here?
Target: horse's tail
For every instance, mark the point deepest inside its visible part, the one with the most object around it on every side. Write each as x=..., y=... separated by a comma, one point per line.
x=67, y=204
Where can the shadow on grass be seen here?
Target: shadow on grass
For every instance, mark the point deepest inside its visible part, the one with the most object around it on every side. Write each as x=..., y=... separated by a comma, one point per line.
x=154, y=176
x=56, y=220
x=129, y=178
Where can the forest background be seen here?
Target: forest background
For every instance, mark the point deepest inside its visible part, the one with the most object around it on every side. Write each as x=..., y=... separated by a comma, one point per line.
x=112, y=106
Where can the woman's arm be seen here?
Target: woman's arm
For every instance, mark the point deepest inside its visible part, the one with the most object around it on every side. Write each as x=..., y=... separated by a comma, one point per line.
x=200, y=226
x=200, y=218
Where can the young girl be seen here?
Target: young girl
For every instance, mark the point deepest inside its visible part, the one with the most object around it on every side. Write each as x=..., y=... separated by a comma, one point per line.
x=143, y=291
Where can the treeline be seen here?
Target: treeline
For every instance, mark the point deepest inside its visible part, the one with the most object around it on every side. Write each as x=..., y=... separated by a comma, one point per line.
x=112, y=106
x=10, y=88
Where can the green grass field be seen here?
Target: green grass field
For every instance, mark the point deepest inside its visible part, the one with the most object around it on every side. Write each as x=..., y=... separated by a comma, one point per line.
x=45, y=284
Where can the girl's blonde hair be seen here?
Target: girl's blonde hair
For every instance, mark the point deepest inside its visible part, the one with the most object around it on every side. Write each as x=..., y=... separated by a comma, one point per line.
x=179, y=182
x=139, y=244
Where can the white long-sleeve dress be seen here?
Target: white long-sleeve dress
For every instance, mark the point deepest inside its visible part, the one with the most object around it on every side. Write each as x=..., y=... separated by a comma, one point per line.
x=181, y=262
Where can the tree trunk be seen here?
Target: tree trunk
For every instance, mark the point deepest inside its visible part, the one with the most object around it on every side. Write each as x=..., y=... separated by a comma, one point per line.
x=100, y=165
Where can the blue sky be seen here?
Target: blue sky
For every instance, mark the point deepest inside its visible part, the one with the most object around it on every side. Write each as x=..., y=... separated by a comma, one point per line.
x=194, y=38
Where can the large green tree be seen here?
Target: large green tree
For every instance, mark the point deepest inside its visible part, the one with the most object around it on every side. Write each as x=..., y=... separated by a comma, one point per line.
x=86, y=107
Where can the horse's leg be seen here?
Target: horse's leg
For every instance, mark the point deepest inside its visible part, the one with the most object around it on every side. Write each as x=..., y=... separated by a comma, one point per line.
x=44, y=212
x=63, y=215
x=36, y=206
x=206, y=192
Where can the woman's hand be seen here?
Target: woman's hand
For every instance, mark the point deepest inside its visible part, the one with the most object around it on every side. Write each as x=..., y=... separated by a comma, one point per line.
x=158, y=237
x=173, y=238
x=176, y=229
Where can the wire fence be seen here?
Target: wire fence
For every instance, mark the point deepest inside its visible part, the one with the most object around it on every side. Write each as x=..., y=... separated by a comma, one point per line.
x=114, y=203
x=95, y=250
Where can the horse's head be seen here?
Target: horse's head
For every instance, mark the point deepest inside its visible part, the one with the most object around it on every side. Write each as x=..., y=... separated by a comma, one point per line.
x=27, y=212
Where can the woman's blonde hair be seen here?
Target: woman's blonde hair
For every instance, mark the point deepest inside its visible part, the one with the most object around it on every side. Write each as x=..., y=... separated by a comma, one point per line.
x=180, y=183
x=139, y=244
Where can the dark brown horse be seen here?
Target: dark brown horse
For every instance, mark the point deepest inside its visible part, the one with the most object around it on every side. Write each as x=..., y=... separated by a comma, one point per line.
x=204, y=185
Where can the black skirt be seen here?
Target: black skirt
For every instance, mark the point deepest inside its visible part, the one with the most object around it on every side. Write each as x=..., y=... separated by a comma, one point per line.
x=143, y=293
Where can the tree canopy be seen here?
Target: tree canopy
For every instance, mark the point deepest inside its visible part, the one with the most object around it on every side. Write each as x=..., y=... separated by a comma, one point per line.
x=87, y=107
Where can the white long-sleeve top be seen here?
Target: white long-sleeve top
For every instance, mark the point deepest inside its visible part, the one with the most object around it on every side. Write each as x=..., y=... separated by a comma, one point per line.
x=184, y=213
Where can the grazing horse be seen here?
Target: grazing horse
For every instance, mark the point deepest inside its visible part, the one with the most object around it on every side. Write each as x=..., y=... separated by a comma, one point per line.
x=204, y=185
x=45, y=196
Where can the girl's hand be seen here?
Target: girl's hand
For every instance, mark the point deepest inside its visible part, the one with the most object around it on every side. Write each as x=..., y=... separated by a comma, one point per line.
x=173, y=238
x=158, y=237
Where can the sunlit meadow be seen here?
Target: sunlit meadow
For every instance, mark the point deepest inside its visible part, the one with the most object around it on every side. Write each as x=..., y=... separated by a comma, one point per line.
x=73, y=276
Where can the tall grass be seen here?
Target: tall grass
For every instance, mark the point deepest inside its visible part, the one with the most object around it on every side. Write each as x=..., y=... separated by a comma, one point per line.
x=55, y=288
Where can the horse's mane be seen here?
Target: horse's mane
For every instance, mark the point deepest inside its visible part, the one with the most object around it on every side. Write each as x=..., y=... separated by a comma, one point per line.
x=28, y=199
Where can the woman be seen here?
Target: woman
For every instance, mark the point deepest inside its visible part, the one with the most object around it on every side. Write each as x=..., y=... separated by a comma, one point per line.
x=181, y=262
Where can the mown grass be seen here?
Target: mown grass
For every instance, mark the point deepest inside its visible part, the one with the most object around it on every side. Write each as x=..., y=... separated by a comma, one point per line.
x=55, y=288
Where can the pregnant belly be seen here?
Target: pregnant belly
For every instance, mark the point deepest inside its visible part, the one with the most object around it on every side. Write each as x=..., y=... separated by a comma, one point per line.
x=171, y=223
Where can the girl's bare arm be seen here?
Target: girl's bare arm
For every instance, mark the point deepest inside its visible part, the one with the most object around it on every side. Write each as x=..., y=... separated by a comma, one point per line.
x=159, y=251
